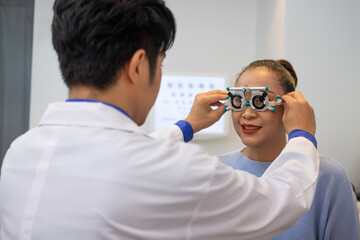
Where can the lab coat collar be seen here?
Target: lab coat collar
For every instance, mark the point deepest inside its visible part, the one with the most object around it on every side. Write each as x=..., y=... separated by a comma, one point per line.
x=92, y=114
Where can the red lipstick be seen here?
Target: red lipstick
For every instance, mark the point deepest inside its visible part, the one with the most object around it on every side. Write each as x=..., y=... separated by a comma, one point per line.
x=249, y=128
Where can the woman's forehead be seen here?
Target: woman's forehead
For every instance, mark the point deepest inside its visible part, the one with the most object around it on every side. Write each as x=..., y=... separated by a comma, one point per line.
x=260, y=77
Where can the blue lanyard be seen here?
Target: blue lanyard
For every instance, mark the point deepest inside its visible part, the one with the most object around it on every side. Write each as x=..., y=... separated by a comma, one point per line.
x=90, y=100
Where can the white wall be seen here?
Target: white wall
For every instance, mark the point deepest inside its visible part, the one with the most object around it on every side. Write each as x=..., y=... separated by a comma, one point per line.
x=215, y=37
x=46, y=84
x=270, y=29
x=321, y=38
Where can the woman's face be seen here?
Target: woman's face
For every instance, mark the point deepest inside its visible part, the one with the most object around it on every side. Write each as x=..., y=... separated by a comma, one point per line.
x=260, y=129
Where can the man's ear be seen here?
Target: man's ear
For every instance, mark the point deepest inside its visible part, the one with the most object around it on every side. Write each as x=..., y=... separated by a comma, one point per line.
x=137, y=66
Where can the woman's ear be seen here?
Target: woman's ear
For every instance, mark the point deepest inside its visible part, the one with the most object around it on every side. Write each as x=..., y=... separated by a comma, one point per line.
x=137, y=66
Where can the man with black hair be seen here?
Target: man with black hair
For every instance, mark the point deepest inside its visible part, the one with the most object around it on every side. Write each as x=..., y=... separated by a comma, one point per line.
x=87, y=171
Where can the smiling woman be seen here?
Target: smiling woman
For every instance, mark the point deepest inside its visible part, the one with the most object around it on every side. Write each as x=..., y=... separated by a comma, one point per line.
x=259, y=130
x=333, y=214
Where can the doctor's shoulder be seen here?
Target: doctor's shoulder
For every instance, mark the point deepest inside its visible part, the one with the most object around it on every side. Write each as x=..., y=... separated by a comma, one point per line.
x=22, y=140
x=186, y=157
x=170, y=149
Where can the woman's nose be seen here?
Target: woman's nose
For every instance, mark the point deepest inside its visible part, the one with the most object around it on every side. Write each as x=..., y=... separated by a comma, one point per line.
x=249, y=113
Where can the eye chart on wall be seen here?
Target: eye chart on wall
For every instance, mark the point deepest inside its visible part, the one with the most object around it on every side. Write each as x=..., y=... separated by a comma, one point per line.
x=176, y=96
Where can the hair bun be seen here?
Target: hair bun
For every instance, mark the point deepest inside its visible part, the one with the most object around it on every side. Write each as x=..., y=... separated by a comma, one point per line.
x=287, y=65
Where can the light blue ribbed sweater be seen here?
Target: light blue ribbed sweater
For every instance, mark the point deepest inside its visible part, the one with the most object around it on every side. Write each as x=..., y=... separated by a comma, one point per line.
x=333, y=214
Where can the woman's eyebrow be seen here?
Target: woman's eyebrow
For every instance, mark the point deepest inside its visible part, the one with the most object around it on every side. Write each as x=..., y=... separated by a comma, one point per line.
x=272, y=94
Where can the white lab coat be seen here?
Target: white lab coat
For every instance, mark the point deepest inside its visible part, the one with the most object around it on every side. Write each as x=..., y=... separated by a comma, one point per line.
x=88, y=172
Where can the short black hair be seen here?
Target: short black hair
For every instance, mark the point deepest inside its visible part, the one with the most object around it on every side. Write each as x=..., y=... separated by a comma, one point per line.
x=96, y=38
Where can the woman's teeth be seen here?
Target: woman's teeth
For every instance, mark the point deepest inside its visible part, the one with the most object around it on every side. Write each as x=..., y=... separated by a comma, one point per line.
x=251, y=128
